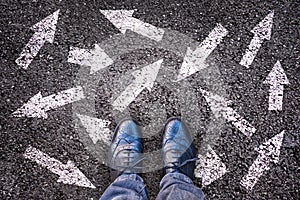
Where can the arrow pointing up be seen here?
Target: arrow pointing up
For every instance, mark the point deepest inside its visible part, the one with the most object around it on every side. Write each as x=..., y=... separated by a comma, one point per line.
x=268, y=152
x=68, y=174
x=261, y=32
x=210, y=167
x=97, y=129
x=220, y=107
x=144, y=78
x=276, y=79
x=44, y=32
x=123, y=20
x=97, y=59
x=194, y=60
x=37, y=106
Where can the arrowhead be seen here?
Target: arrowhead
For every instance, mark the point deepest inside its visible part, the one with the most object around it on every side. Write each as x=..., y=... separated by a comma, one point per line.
x=263, y=29
x=277, y=75
x=47, y=27
x=147, y=75
x=191, y=64
x=217, y=103
x=210, y=167
x=73, y=176
x=96, y=128
x=99, y=59
x=119, y=18
x=271, y=148
x=31, y=108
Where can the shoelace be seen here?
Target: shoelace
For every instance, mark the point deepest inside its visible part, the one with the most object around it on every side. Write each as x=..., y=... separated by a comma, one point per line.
x=178, y=154
x=128, y=161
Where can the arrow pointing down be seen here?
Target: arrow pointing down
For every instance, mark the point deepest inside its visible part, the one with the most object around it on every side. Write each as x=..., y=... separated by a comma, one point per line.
x=268, y=152
x=44, y=32
x=68, y=173
x=276, y=79
x=123, y=20
x=144, y=78
x=194, y=60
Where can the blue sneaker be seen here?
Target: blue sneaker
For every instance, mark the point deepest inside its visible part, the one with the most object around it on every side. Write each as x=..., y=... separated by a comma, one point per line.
x=179, y=153
x=126, y=149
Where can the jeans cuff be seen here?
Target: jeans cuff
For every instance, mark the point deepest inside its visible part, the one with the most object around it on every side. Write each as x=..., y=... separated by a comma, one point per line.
x=178, y=176
x=133, y=177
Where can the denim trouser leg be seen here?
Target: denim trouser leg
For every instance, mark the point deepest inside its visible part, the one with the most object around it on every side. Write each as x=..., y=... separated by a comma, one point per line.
x=178, y=186
x=126, y=186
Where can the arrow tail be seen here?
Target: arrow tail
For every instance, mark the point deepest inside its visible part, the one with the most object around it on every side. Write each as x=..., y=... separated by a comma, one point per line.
x=255, y=171
x=31, y=49
x=276, y=97
x=251, y=52
x=62, y=98
x=44, y=160
x=146, y=29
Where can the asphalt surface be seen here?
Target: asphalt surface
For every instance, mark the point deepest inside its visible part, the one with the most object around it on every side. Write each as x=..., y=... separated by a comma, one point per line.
x=82, y=25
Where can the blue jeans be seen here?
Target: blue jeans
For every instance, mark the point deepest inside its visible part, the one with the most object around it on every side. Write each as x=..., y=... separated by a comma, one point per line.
x=172, y=186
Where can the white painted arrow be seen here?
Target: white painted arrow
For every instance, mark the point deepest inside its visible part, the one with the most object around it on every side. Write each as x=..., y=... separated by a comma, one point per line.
x=194, y=60
x=220, y=108
x=268, y=152
x=37, y=106
x=210, y=167
x=68, y=173
x=97, y=129
x=144, y=78
x=276, y=79
x=97, y=59
x=123, y=20
x=44, y=32
x=261, y=32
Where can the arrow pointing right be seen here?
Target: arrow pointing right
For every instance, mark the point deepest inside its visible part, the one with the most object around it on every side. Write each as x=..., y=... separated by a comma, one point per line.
x=144, y=78
x=261, y=32
x=268, y=152
x=276, y=79
x=123, y=20
x=68, y=174
x=220, y=108
x=97, y=59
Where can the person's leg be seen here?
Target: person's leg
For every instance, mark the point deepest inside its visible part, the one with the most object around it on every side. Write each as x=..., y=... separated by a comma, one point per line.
x=125, y=163
x=126, y=186
x=179, y=155
x=178, y=186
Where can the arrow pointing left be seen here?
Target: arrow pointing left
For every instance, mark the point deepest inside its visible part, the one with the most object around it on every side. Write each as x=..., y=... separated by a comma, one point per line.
x=268, y=152
x=144, y=78
x=68, y=173
x=37, y=106
x=44, y=32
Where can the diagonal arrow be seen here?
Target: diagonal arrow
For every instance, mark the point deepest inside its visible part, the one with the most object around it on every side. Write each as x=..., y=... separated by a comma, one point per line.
x=210, y=167
x=68, y=173
x=194, y=60
x=261, y=32
x=123, y=20
x=144, y=78
x=220, y=108
x=268, y=152
x=97, y=129
x=44, y=32
x=97, y=59
x=37, y=106
x=276, y=79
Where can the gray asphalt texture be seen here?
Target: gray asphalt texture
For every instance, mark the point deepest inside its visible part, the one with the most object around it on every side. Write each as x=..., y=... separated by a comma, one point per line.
x=80, y=24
